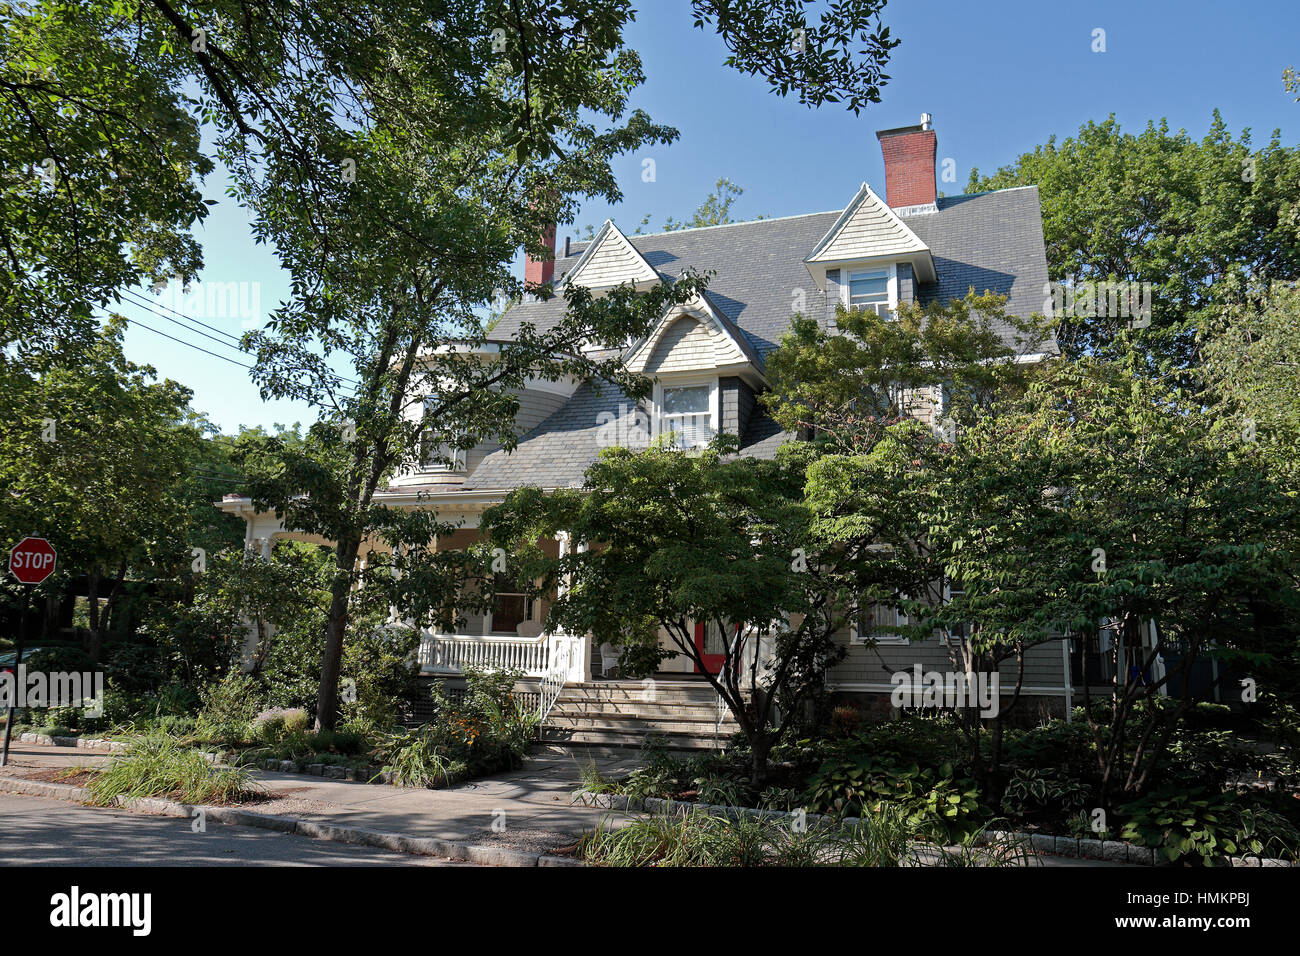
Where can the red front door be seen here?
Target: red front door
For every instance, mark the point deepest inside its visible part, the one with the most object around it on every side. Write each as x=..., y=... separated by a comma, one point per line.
x=709, y=644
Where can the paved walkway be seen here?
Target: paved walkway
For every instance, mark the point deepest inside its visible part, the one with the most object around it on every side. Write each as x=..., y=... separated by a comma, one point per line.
x=528, y=809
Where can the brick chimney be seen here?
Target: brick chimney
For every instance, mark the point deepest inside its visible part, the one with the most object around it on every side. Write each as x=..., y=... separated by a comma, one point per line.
x=909, y=164
x=540, y=272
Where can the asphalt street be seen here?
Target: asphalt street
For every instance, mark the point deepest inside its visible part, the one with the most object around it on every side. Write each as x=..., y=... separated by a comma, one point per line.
x=37, y=831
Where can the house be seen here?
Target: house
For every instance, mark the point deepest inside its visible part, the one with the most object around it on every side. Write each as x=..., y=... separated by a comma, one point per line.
x=706, y=358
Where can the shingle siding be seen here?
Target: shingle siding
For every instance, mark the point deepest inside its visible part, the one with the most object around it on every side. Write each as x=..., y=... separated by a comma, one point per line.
x=736, y=405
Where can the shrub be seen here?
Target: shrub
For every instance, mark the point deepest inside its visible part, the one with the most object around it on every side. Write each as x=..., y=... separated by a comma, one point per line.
x=416, y=759
x=1034, y=793
x=230, y=700
x=163, y=767
x=934, y=801
x=271, y=726
x=1204, y=825
x=486, y=731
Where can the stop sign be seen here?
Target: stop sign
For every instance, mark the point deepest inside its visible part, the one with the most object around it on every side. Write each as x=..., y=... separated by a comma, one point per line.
x=32, y=560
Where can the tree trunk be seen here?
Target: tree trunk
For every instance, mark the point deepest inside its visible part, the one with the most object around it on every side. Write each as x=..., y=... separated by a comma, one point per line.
x=92, y=602
x=336, y=625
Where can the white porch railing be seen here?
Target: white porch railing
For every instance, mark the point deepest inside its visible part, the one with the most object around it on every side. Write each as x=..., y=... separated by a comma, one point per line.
x=452, y=653
x=553, y=656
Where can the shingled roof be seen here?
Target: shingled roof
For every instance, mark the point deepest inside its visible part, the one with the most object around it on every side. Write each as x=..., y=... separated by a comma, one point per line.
x=987, y=241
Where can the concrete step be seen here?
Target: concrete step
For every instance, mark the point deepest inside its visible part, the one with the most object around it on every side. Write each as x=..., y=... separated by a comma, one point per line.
x=609, y=737
x=624, y=722
x=635, y=708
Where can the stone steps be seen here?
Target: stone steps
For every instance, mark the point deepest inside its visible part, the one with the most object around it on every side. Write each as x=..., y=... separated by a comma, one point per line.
x=680, y=715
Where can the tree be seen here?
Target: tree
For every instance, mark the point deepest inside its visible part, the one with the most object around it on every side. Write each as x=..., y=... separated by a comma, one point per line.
x=397, y=157
x=681, y=538
x=875, y=476
x=1203, y=222
x=93, y=460
x=102, y=166
x=1107, y=500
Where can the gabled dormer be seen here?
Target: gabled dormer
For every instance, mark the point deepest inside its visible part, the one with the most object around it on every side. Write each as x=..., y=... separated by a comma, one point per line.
x=869, y=237
x=611, y=260
x=695, y=337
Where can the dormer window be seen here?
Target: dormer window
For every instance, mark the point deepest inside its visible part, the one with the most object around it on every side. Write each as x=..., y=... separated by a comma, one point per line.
x=873, y=289
x=689, y=412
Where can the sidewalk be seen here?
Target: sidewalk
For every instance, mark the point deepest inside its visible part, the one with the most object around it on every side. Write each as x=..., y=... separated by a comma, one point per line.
x=526, y=810
x=501, y=820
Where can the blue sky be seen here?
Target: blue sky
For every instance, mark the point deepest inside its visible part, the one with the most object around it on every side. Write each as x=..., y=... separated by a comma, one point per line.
x=998, y=77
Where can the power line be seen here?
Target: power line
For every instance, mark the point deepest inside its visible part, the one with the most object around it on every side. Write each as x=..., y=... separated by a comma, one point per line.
x=196, y=331
x=342, y=385
x=190, y=344
x=153, y=304
x=140, y=300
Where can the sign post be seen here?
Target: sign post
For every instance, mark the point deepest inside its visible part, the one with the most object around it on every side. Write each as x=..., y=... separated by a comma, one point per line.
x=31, y=561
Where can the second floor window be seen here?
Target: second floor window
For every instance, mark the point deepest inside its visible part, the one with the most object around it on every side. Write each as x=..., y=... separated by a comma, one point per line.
x=436, y=455
x=870, y=290
x=687, y=412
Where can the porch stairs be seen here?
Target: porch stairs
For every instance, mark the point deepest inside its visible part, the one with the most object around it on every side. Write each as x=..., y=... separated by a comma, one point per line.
x=682, y=715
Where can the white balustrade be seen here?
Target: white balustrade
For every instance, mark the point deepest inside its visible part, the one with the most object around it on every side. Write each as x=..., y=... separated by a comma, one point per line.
x=453, y=653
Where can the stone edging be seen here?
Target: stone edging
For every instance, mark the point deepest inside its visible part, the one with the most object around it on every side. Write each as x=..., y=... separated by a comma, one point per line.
x=395, y=842
x=81, y=743
x=1112, y=851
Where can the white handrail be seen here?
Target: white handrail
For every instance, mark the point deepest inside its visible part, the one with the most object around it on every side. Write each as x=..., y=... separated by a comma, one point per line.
x=553, y=681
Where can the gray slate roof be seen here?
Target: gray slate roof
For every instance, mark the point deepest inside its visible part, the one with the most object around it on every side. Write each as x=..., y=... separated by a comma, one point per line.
x=990, y=241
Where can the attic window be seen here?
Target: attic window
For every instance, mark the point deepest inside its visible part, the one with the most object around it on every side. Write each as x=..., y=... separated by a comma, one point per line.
x=873, y=289
x=689, y=413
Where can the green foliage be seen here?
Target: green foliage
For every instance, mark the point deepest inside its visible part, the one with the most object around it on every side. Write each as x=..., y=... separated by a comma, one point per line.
x=1031, y=792
x=164, y=767
x=486, y=731
x=1199, y=220
x=228, y=706
x=1200, y=825
x=887, y=836
x=103, y=163
x=932, y=799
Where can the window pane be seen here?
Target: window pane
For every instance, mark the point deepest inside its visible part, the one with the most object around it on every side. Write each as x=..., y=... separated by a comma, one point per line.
x=691, y=430
x=691, y=399
x=869, y=287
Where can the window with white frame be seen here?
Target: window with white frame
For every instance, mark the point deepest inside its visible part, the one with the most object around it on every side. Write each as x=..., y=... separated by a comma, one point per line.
x=511, y=606
x=689, y=412
x=872, y=289
x=880, y=622
x=436, y=455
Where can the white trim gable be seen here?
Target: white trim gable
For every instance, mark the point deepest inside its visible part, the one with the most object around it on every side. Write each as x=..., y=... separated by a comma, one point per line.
x=611, y=260
x=868, y=232
x=708, y=346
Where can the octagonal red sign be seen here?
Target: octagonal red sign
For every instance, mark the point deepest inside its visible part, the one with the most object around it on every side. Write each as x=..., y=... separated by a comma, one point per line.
x=32, y=560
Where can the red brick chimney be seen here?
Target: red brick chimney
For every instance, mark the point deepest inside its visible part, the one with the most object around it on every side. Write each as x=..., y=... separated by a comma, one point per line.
x=909, y=164
x=540, y=272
